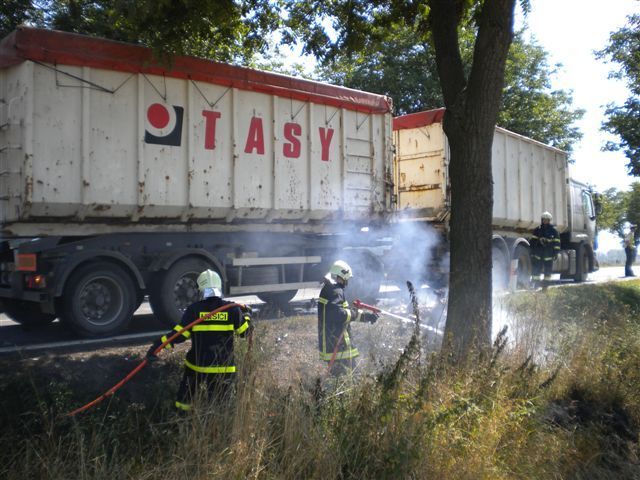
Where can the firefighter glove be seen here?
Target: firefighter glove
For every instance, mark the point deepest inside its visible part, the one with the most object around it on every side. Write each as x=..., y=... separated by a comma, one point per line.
x=151, y=356
x=246, y=309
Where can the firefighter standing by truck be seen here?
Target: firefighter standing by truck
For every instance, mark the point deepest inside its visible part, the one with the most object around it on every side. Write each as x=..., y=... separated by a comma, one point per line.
x=334, y=320
x=630, y=251
x=209, y=364
x=545, y=246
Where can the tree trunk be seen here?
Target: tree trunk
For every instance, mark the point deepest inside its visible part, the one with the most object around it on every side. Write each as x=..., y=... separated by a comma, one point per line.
x=468, y=325
x=472, y=109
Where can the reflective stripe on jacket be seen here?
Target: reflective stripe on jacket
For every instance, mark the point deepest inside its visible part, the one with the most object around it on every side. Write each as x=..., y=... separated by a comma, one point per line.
x=545, y=242
x=211, y=340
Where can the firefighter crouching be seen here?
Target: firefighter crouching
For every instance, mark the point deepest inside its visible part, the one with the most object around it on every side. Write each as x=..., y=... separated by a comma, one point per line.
x=545, y=246
x=334, y=320
x=209, y=364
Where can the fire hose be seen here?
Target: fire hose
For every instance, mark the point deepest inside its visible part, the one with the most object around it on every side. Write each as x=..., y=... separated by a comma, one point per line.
x=144, y=362
x=371, y=308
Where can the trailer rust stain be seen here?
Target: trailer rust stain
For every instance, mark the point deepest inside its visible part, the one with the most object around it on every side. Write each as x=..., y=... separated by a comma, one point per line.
x=420, y=188
x=28, y=188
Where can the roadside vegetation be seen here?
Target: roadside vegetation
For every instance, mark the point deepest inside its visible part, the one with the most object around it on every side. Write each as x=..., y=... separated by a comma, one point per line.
x=558, y=397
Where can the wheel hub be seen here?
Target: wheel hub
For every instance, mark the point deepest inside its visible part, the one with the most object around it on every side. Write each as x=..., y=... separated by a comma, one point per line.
x=100, y=301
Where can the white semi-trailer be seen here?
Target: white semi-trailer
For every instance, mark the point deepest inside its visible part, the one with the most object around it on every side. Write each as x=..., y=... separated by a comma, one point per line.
x=528, y=179
x=121, y=177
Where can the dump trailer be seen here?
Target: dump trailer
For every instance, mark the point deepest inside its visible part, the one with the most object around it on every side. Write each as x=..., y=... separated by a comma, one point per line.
x=122, y=177
x=529, y=178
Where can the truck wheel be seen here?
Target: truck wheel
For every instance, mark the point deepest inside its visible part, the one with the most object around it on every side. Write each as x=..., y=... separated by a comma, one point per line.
x=279, y=299
x=99, y=299
x=524, y=267
x=174, y=290
x=582, y=264
x=27, y=313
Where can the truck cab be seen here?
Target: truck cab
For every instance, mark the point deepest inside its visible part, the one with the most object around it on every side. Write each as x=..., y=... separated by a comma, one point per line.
x=578, y=241
x=582, y=212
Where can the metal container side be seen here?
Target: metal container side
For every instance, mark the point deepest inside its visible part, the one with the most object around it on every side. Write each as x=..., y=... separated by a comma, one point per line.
x=139, y=148
x=421, y=171
x=15, y=162
x=528, y=176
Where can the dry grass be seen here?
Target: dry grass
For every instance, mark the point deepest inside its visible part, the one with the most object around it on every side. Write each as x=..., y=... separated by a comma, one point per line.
x=559, y=398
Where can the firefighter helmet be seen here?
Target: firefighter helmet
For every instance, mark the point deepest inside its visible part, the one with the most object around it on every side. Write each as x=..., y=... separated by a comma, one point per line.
x=547, y=216
x=209, y=279
x=341, y=269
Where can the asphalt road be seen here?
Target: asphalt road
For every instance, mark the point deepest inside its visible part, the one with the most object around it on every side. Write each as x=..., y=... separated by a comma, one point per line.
x=145, y=327
x=16, y=339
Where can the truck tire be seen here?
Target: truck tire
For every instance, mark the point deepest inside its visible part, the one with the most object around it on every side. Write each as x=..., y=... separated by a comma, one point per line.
x=99, y=299
x=174, y=290
x=279, y=299
x=27, y=313
x=523, y=273
x=582, y=264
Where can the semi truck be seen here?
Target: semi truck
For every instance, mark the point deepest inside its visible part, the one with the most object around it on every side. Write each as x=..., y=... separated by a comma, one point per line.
x=529, y=178
x=122, y=178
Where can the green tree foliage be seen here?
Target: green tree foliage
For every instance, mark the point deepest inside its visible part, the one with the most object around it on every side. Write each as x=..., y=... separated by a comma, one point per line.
x=633, y=204
x=529, y=106
x=396, y=62
x=225, y=30
x=400, y=66
x=624, y=120
x=619, y=208
x=18, y=12
x=613, y=213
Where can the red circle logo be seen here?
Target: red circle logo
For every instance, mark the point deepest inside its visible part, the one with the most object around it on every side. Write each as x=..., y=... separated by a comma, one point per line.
x=158, y=116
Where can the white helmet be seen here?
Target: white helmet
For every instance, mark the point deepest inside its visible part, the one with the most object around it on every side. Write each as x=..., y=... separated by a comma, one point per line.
x=547, y=216
x=209, y=279
x=341, y=269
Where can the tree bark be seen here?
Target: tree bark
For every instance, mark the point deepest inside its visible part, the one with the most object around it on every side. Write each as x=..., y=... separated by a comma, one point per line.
x=471, y=112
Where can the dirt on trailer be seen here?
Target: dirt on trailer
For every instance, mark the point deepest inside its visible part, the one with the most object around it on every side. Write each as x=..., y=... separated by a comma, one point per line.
x=284, y=344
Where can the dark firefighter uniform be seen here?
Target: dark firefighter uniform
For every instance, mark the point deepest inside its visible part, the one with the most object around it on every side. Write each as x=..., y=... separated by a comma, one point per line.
x=334, y=327
x=210, y=361
x=545, y=246
x=334, y=318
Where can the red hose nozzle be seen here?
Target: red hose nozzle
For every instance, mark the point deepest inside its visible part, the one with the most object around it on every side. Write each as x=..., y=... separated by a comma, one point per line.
x=371, y=308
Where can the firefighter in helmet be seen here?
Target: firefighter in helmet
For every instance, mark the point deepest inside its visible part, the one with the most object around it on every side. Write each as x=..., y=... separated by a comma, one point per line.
x=334, y=319
x=209, y=364
x=545, y=246
x=630, y=251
